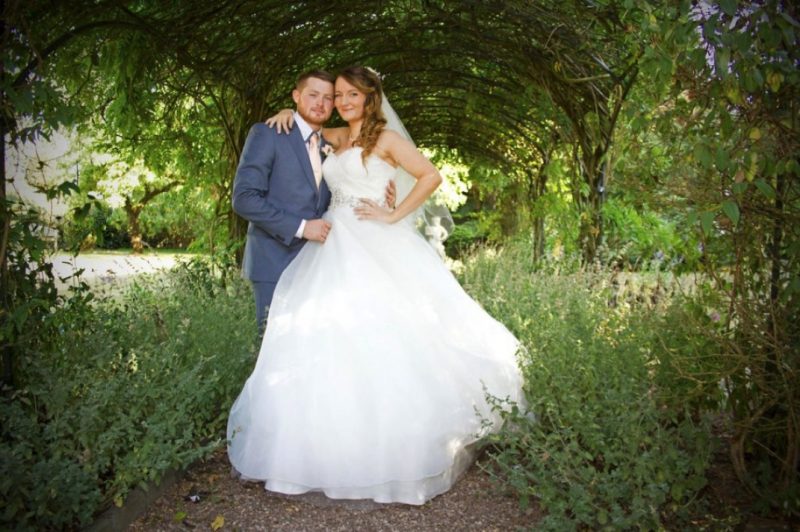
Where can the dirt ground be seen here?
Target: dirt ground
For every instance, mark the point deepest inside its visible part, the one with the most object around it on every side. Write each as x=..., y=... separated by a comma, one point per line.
x=474, y=503
x=208, y=497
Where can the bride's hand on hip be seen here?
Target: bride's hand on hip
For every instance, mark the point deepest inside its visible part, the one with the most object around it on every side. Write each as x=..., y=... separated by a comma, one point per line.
x=283, y=120
x=391, y=194
x=371, y=210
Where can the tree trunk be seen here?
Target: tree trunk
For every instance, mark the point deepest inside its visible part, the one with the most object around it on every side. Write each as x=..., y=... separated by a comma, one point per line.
x=538, y=237
x=134, y=228
x=133, y=208
x=777, y=331
x=591, y=231
x=775, y=254
x=591, y=204
x=538, y=188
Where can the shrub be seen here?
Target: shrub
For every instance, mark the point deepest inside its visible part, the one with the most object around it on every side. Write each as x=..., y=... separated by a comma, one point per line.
x=466, y=235
x=124, y=390
x=639, y=237
x=594, y=444
x=95, y=225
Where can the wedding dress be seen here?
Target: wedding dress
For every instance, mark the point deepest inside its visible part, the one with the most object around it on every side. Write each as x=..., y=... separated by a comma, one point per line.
x=375, y=364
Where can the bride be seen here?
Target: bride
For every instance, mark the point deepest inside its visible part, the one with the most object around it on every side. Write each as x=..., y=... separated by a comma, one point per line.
x=372, y=377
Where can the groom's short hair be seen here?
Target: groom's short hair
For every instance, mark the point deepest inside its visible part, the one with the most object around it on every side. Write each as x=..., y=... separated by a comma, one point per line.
x=319, y=74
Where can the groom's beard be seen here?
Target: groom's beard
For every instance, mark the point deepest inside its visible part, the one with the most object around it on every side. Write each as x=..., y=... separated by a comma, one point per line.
x=316, y=119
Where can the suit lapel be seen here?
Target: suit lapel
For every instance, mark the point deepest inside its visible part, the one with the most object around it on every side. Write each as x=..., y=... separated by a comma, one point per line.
x=323, y=185
x=299, y=146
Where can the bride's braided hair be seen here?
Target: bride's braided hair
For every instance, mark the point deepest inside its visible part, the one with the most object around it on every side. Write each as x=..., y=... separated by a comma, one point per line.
x=367, y=82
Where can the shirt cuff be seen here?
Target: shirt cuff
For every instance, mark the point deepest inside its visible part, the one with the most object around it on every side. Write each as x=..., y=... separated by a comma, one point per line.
x=299, y=233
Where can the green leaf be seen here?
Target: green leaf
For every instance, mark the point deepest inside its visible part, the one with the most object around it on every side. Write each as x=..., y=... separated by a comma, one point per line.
x=723, y=59
x=764, y=188
x=750, y=82
x=79, y=213
x=739, y=188
x=707, y=222
x=751, y=160
x=727, y=125
x=789, y=37
x=722, y=159
x=68, y=187
x=790, y=20
x=757, y=77
x=702, y=154
x=770, y=35
x=794, y=286
x=731, y=210
x=639, y=122
x=728, y=7
x=774, y=80
x=734, y=94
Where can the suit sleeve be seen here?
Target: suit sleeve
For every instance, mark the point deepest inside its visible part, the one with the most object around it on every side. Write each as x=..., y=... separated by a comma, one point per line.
x=251, y=187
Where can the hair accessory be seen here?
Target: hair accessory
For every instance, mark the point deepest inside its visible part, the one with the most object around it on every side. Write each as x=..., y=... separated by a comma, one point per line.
x=380, y=76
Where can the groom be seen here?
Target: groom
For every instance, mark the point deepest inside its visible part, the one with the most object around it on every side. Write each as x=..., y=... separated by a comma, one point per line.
x=279, y=189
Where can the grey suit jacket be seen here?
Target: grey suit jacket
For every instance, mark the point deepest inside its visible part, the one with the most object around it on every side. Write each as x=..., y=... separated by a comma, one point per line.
x=274, y=190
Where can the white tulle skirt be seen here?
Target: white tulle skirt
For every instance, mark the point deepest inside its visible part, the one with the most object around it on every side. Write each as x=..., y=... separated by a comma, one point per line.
x=373, y=372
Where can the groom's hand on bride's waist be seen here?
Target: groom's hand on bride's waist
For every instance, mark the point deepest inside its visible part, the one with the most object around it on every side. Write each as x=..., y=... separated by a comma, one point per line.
x=317, y=230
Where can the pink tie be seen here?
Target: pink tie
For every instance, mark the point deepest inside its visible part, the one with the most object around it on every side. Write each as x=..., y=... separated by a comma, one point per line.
x=313, y=155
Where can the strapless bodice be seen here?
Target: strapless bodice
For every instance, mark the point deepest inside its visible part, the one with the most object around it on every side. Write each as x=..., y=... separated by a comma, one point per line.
x=349, y=178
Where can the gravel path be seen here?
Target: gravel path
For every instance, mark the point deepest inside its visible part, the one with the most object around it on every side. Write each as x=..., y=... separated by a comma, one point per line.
x=226, y=503
x=101, y=270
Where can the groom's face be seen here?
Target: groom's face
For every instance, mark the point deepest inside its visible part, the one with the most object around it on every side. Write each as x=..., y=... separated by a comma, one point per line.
x=314, y=101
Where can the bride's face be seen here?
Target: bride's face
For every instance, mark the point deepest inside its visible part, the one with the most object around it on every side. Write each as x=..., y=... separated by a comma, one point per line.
x=349, y=101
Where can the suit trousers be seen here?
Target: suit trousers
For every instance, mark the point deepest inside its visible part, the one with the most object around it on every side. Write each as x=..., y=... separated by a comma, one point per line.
x=262, y=291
